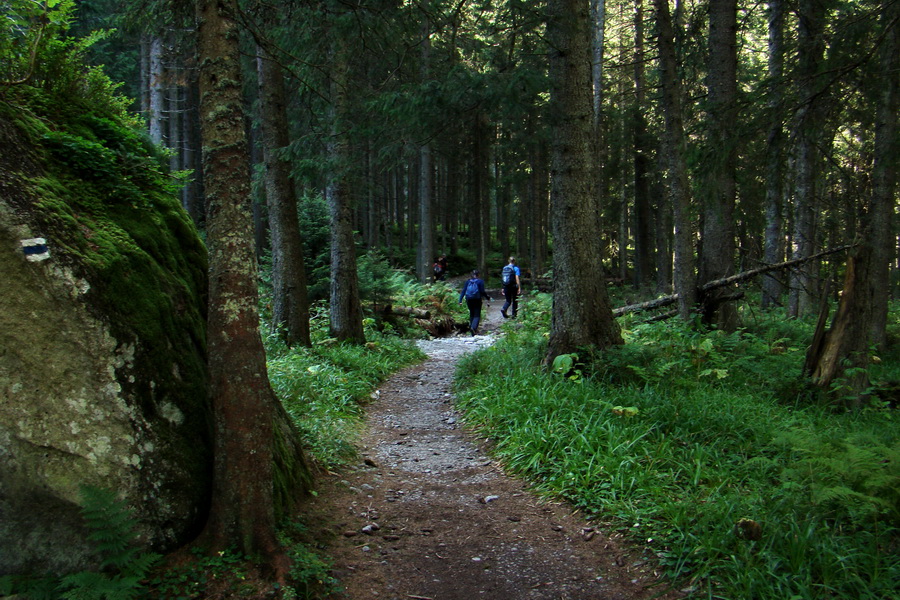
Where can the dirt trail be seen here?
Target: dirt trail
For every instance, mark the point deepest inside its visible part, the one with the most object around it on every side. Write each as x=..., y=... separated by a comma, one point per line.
x=427, y=514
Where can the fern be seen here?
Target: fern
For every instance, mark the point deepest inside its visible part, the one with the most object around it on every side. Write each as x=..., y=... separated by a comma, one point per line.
x=858, y=477
x=123, y=566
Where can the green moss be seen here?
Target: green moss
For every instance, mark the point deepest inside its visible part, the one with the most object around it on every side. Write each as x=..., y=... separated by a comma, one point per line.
x=291, y=473
x=109, y=211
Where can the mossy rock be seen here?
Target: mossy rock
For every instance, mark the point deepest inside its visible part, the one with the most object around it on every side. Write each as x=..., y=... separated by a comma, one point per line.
x=102, y=343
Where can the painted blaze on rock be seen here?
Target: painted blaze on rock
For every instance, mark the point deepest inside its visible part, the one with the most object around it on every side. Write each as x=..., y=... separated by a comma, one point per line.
x=102, y=346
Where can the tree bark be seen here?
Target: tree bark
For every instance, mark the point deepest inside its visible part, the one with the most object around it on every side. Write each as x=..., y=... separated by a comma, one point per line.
x=242, y=512
x=838, y=363
x=643, y=214
x=679, y=186
x=157, y=91
x=346, y=311
x=772, y=288
x=290, y=307
x=718, y=245
x=884, y=174
x=598, y=31
x=808, y=129
x=581, y=315
x=426, y=251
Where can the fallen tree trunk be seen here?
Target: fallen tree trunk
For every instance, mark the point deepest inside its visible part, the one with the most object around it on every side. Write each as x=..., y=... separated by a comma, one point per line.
x=718, y=283
x=402, y=311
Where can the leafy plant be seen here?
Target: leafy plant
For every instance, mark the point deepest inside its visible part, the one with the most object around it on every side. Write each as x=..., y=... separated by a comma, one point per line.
x=310, y=572
x=123, y=565
x=324, y=387
x=685, y=437
x=197, y=577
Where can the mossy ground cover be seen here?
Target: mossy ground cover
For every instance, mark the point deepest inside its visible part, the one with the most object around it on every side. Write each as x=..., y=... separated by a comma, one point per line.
x=707, y=448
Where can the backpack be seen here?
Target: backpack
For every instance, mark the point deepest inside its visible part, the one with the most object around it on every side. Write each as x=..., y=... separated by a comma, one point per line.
x=507, y=274
x=472, y=290
x=438, y=269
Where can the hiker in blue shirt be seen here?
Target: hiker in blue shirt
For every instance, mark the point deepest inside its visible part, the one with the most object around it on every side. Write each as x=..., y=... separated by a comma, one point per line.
x=473, y=292
x=512, y=286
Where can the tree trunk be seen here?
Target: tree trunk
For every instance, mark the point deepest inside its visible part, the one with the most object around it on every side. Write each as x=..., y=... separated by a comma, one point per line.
x=718, y=246
x=598, y=30
x=772, y=287
x=173, y=124
x=425, y=246
x=538, y=206
x=146, y=44
x=481, y=209
x=193, y=191
x=290, y=307
x=581, y=314
x=157, y=91
x=643, y=215
x=346, y=311
x=679, y=187
x=884, y=174
x=242, y=512
x=662, y=231
x=807, y=126
x=426, y=251
x=838, y=363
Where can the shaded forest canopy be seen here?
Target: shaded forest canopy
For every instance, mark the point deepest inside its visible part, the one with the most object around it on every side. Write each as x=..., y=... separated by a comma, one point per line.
x=475, y=96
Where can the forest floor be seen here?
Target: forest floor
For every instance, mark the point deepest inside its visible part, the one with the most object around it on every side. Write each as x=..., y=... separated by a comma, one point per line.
x=428, y=514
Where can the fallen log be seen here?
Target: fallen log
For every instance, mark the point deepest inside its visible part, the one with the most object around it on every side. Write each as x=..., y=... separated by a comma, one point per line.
x=724, y=282
x=401, y=311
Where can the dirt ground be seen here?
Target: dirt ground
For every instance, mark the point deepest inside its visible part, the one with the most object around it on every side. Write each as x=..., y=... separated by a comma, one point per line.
x=427, y=514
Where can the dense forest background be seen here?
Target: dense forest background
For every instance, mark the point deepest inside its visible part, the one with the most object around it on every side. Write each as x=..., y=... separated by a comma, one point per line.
x=440, y=109
x=664, y=147
x=725, y=136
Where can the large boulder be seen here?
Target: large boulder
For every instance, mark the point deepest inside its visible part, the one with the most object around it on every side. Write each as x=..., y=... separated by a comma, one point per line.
x=102, y=342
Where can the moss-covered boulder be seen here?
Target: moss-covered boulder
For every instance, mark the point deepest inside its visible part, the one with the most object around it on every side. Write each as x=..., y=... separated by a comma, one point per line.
x=102, y=339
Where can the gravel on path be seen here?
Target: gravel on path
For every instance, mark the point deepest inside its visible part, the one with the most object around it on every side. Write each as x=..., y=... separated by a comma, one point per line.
x=427, y=514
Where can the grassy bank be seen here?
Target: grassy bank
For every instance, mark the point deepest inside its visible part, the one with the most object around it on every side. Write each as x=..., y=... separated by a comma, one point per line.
x=707, y=448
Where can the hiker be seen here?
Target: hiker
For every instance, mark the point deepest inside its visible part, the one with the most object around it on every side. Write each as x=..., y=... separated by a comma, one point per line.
x=473, y=292
x=440, y=268
x=512, y=286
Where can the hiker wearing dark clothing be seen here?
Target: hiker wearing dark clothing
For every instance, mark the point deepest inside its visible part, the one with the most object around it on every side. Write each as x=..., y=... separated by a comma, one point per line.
x=473, y=292
x=440, y=268
x=512, y=286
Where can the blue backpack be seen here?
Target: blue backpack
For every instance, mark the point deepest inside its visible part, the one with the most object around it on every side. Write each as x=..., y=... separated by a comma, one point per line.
x=472, y=290
x=508, y=274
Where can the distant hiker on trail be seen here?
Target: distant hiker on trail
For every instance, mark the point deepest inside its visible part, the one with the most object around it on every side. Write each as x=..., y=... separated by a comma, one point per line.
x=473, y=292
x=440, y=268
x=512, y=286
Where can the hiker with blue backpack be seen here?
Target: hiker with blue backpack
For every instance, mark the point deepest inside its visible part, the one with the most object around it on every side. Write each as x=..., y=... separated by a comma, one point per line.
x=473, y=292
x=512, y=286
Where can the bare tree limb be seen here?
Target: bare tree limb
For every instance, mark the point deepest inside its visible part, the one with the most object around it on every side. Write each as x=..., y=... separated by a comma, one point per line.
x=718, y=283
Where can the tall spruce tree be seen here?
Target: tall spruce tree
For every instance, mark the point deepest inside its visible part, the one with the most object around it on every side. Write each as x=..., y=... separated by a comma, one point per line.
x=245, y=410
x=581, y=314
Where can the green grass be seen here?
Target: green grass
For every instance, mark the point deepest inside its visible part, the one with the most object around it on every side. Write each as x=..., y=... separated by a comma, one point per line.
x=325, y=388
x=678, y=436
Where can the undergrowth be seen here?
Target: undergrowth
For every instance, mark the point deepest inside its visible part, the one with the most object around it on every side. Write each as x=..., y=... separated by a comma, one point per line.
x=325, y=388
x=706, y=448
x=121, y=566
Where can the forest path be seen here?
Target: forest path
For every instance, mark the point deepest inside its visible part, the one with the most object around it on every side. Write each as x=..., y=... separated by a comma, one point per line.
x=427, y=514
